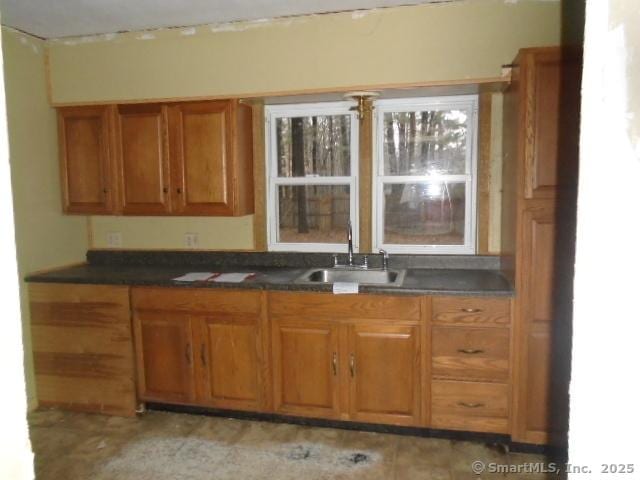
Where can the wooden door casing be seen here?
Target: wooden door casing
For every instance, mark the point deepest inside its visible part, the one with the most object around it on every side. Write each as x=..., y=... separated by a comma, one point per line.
x=384, y=373
x=306, y=367
x=86, y=167
x=164, y=353
x=143, y=159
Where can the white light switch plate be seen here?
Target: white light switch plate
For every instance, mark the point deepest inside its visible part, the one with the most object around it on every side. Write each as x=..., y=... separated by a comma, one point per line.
x=191, y=240
x=114, y=239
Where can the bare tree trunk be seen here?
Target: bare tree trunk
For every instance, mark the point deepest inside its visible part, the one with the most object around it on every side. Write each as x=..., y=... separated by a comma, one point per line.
x=391, y=146
x=297, y=154
x=412, y=138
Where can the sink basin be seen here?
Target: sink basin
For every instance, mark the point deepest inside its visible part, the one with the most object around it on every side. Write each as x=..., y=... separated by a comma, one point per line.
x=393, y=278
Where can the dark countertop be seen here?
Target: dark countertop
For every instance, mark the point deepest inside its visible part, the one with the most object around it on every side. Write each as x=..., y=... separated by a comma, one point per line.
x=418, y=281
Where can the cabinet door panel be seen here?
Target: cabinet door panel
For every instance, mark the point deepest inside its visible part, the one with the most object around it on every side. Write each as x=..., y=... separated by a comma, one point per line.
x=87, y=180
x=143, y=159
x=305, y=364
x=230, y=361
x=384, y=366
x=202, y=150
x=164, y=356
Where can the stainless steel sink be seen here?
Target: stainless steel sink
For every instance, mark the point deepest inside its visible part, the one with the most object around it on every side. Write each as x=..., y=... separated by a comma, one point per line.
x=393, y=278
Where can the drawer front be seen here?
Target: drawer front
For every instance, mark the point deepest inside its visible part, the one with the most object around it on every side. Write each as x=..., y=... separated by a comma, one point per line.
x=205, y=300
x=344, y=307
x=469, y=353
x=470, y=406
x=472, y=311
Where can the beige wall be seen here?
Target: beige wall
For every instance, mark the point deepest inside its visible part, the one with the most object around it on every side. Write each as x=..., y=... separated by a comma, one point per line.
x=45, y=238
x=418, y=44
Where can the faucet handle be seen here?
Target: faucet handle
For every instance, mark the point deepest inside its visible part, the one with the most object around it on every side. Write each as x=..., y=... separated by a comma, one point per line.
x=365, y=262
x=335, y=259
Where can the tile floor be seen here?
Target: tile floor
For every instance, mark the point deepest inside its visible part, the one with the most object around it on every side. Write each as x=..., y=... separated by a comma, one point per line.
x=170, y=446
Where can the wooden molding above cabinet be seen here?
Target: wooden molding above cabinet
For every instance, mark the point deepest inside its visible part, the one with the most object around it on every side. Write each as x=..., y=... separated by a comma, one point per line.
x=189, y=158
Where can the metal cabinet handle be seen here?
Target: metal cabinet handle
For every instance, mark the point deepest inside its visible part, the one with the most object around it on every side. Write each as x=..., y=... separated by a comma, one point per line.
x=165, y=190
x=352, y=365
x=179, y=191
x=334, y=364
x=187, y=353
x=470, y=405
x=470, y=310
x=203, y=357
x=470, y=351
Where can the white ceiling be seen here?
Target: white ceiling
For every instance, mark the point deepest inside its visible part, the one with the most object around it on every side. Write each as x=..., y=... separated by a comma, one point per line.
x=65, y=18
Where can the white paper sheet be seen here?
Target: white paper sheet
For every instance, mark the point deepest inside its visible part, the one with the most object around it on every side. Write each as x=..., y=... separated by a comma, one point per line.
x=342, y=288
x=194, y=277
x=232, y=277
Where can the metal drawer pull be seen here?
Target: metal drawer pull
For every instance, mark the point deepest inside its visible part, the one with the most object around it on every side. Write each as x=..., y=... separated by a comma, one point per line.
x=470, y=405
x=187, y=354
x=334, y=364
x=352, y=365
x=471, y=310
x=470, y=351
x=203, y=357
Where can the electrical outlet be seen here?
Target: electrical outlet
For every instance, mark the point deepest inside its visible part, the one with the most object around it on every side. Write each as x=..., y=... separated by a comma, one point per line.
x=191, y=240
x=114, y=239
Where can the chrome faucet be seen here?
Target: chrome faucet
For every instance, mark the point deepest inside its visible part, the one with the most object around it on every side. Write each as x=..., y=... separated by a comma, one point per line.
x=350, y=245
x=385, y=259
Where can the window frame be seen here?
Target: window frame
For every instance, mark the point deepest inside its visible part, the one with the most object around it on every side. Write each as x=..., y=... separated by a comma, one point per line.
x=469, y=178
x=273, y=181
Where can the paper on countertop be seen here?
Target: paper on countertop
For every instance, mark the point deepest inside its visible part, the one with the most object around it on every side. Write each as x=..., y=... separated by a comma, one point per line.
x=232, y=277
x=195, y=277
x=342, y=288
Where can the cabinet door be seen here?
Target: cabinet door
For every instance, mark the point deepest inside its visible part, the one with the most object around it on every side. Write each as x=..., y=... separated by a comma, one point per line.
x=229, y=360
x=305, y=364
x=552, y=107
x=85, y=166
x=384, y=369
x=202, y=152
x=143, y=159
x=535, y=312
x=164, y=354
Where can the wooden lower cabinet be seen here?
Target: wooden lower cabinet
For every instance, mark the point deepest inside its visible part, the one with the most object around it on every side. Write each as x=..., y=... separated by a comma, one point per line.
x=305, y=368
x=353, y=360
x=200, y=347
x=228, y=355
x=83, y=347
x=384, y=374
x=164, y=350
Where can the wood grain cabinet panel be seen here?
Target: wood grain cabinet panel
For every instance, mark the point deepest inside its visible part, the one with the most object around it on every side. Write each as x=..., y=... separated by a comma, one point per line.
x=472, y=311
x=86, y=167
x=384, y=369
x=228, y=350
x=164, y=349
x=82, y=347
x=306, y=367
x=143, y=160
x=467, y=353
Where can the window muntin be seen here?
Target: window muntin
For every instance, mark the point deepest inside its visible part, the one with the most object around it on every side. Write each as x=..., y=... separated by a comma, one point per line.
x=424, y=179
x=311, y=176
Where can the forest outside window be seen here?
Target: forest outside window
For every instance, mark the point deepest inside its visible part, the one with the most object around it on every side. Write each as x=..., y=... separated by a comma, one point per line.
x=312, y=176
x=425, y=175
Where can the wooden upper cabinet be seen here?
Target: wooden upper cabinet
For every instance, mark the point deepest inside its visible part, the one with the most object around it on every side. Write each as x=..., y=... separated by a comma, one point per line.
x=550, y=116
x=142, y=159
x=189, y=158
x=85, y=159
x=384, y=371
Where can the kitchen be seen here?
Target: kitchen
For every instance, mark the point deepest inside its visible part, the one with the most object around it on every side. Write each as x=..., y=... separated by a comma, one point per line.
x=374, y=245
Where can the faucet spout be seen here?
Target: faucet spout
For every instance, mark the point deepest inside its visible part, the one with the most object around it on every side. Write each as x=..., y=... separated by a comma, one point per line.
x=350, y=244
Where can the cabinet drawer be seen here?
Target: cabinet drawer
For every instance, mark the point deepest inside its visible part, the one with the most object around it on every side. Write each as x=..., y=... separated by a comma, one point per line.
x=470, y=406
x=194, y=300
x=472, y=311
x=469, y=353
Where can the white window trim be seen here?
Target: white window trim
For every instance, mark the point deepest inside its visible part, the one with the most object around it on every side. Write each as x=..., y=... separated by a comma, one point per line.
x=467, y=102
x=272, y=112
